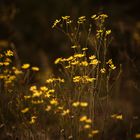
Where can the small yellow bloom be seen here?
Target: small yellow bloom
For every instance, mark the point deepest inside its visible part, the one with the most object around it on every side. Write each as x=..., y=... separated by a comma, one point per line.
x=75, y=104
x=33, y=120
x=65, y=17
x=94, y=62
x=65, y=112
x=56, y=22
x=83, y=118
x=94, y=132
x=25, y=110
x=88, y=121
x=137, y=136
x=25, y=66
x=43, y=88
x=83, y=104
x=103, y=70
x=79, y=55
x=58, y=60
x=32, y=88
x=35, y=68
x=87, y=126
x=48, y=108
x=53, y=102
x=9, y=53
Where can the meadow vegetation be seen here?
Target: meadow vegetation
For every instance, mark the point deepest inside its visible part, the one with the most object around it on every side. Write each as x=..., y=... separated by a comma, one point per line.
x=77, y=104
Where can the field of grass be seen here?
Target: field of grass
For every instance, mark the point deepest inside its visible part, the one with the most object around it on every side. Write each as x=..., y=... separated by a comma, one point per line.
x=81, y=102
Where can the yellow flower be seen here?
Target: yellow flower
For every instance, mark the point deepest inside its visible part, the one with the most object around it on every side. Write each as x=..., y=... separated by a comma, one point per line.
x=79, y=55
x=48, y=108
x=35, y=68
x=58, y=60
x=65, y=112
x=6, y=63
x=51, y=80
x=108, y=32
x=9, y=53
x=83, y=118
x=94, y=62
x=33, y=120
x=87, y=126
x=32, y=88
x=84, y=49
x=94, y=132
x=25, y=110
x=27, y=97
x=53, y=102
x=25, y=66
x=65, y=17
x=88, y=121
x=76, y=79
x=83, y=104
x=137, y=136
x=84, y=63
x=119, y=117
x=75, y=104
x=112, y=66
x=93, y=16
x=43, y=88
x=56, y=22
x=103, y=70
x=92, y=57
x=37, y=94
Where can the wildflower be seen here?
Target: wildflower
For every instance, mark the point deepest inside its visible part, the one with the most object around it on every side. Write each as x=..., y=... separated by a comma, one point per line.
x=84, y=49
x=87, y=126
x=35, y=68
x=32, y=88
x=81, y=19
x=103, y=70
x=27, y=97
x=95, y=132
x=73, y=47
x=37, y=102
x=112, y=66
x=65, y=112
x=88, y=121
x=92, y=57
x=94, y=62
x=84, y=63
x=58, y=60
x=76, y=79
x=75, y=104
x=83, y=104
x=93, y=16
x=79, y=55
x=37, y=93
x=53, y=102
x=48, y=108
x=25, y=66
x=83, y=118
x=9, y=53
x=25, y=110
x=56, y=22
x=50, y=80
x=117, y=117
x=108, y=32
x=33, y=119
x=43, y=88
x=16, y=71
x=6, y=63
x=74, y=63
x=65, y=17
x=137, y=136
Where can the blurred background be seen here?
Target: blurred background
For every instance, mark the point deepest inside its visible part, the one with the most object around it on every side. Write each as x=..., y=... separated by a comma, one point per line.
x=27, y=24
